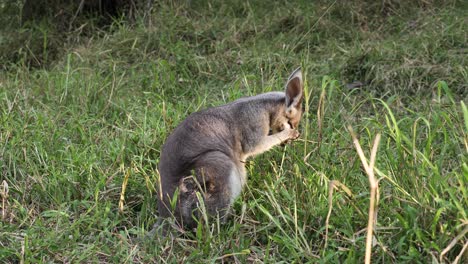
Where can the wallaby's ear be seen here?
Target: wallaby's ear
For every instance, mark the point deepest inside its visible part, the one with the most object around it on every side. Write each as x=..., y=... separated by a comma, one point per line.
x=294, y=92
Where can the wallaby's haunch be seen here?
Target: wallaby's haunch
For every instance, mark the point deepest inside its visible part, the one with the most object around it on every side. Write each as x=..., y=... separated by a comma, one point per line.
x=204, y=157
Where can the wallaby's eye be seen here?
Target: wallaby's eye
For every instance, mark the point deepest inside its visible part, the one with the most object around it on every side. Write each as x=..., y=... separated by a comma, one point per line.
x=289, y=123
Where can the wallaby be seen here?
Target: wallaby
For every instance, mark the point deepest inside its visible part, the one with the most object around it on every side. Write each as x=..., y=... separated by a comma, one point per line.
x=204, y=156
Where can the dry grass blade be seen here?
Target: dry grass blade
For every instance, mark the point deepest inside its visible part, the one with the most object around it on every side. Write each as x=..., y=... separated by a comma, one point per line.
x=320, y=115
x=457, y=259
x=334, y=184
x=369, y=168
x=122, y=192
x=453, y=243
x=4, y=193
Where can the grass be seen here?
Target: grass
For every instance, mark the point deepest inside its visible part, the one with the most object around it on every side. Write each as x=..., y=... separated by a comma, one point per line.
x=78, y=128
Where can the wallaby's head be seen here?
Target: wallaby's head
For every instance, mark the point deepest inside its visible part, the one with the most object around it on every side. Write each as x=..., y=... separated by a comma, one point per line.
x=291, y=113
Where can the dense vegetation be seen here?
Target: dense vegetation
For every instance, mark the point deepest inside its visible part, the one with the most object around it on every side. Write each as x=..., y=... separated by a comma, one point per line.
x=85, y=108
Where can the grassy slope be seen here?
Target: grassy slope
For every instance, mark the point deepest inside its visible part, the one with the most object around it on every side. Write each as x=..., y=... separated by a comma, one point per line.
x=70, y=133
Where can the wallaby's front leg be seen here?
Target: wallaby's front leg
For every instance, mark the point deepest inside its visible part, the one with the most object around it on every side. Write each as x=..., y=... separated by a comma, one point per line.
x=270, y=141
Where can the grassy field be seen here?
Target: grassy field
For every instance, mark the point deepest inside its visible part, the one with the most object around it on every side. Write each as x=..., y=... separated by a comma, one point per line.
x=82, y=124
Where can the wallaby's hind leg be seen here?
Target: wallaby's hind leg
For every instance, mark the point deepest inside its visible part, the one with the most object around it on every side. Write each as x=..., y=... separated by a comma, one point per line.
x=212, y=181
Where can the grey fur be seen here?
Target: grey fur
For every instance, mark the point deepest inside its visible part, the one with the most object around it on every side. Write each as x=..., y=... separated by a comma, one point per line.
x=205, y=154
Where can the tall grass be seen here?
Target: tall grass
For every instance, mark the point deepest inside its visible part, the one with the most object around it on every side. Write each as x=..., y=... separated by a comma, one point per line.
x=80, y=138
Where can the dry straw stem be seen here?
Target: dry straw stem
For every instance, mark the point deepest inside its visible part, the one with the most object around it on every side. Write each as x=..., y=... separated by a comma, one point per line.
x=374, y=185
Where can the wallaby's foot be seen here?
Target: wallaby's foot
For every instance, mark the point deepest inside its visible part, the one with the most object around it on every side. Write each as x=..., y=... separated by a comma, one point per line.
x=165, y=227
x=160, y=228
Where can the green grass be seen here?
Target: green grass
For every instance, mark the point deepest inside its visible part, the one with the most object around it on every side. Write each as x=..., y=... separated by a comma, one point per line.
x=71, y=130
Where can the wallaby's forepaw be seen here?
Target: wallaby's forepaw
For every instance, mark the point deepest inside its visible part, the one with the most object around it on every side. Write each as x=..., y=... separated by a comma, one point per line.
x=292, y=134
x=295, y=134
